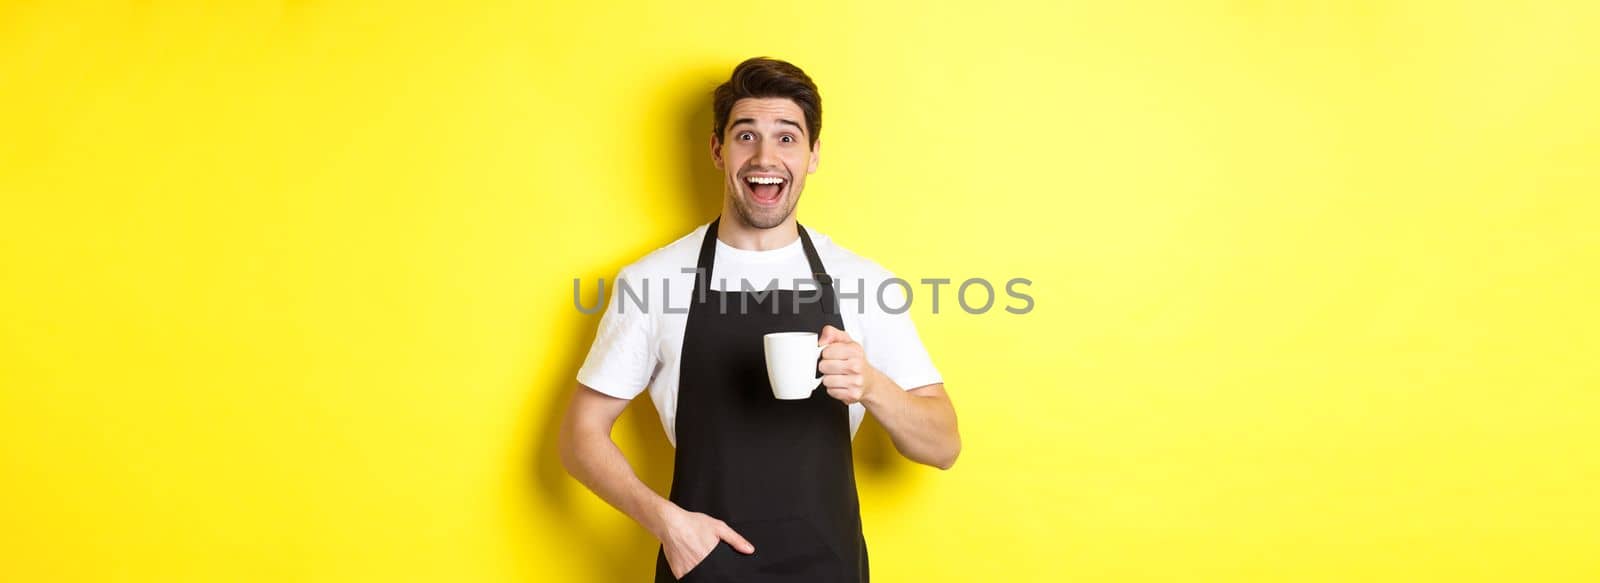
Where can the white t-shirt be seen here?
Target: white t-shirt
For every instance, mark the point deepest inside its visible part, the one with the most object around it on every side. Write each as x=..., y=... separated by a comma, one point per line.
x=641, y=334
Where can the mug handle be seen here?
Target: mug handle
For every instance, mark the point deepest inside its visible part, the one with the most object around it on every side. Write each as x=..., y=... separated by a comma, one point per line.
x=818, y=358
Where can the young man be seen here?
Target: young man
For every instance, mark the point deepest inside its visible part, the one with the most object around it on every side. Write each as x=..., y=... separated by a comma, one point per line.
x=763, y=489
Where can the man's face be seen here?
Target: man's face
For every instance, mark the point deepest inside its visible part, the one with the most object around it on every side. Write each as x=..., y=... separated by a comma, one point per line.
x=765, y=155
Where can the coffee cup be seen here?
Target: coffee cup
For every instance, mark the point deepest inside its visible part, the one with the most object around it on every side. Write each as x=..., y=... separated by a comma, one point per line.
x=792, y=364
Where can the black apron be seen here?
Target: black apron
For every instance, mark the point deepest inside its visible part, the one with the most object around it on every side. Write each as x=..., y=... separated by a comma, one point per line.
x=778, y=472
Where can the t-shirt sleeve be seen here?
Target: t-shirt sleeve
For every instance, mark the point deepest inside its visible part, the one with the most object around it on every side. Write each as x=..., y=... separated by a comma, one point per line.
x=892, y=344
x=622, y=359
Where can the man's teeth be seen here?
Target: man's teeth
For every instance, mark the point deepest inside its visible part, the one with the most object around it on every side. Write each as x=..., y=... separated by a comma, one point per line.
x=764, y=180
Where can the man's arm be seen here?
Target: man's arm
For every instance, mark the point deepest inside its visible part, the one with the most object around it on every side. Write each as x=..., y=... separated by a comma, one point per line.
x=921, y=422
x=589, y=454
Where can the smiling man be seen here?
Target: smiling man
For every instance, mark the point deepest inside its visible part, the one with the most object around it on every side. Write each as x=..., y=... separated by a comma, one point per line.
x=763, y=489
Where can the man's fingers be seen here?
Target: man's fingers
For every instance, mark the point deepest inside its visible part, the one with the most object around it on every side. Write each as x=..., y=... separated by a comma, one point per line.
x=828, y=367
x=842, y=367
x=830, y=335
x=847, y=396
x=841, y=381
x=734, y=540
x=841, y=350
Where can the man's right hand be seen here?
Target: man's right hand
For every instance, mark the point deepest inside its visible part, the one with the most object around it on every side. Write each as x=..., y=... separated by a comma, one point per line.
x=588, y=453
x=688, y=537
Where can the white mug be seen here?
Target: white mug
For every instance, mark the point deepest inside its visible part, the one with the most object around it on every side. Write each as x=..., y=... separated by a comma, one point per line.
x=792, y=364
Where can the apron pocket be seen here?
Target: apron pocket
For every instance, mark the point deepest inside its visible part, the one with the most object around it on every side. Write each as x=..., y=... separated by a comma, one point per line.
x=706, y=570
x=787, y=549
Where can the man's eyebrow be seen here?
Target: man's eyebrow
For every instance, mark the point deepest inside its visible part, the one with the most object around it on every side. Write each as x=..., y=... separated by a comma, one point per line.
x=752, y=121
x=792, y=122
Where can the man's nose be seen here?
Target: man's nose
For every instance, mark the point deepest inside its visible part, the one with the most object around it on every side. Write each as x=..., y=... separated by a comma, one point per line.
x=766, y=156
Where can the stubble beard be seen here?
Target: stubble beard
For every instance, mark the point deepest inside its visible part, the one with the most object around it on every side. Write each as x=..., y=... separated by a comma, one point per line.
x=764, y=218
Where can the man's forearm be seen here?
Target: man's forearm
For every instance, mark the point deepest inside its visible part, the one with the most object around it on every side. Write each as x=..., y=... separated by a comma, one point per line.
x=923, y=428
x=596, y=461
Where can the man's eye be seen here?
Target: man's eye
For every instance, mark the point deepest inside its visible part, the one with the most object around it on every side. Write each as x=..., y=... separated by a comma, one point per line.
x=788, y=138
x=747, y=136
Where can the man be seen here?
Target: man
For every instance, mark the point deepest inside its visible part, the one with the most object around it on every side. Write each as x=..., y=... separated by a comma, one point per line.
x=763, y=489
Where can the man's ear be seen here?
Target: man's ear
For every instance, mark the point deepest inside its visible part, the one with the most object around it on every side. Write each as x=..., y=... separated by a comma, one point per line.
x=716, y=150
x=816, y=152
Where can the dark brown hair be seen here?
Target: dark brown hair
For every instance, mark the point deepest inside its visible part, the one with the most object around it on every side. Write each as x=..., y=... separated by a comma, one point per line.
x=763, y=77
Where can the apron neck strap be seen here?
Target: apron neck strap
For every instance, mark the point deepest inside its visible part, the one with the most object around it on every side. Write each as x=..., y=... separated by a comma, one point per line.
x=817, y=271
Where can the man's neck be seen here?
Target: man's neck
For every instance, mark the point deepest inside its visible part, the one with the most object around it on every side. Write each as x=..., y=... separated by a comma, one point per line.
x=739, y=235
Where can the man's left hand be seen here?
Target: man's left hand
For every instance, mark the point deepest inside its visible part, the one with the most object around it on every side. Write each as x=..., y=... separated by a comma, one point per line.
x=845, y=372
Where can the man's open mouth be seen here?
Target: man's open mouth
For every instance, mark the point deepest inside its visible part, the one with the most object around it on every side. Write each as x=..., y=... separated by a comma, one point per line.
x=765, y=188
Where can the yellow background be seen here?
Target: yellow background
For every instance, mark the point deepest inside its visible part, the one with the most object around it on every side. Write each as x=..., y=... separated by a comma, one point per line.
x=286, y=287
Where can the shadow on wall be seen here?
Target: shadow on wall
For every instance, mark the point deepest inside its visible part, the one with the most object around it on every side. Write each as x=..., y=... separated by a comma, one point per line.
x=618, y=549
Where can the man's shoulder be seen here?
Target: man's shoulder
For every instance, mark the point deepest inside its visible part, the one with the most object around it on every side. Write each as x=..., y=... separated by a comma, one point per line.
x=668, y=260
